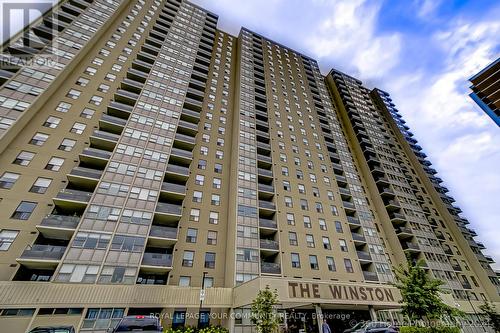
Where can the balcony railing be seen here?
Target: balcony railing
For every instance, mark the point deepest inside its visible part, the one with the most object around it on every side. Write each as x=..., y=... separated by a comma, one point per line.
x=270, y=268
x=264, y=172
x=266, y=223
x=370, y=276
x=266, y=188
x=358, y=237
x=163, y=232
x=178, y=169
x=267, y=205
x=353, y=220
x=60, y=221
x=74, y=195
x=157, y=259
x=44, y=252
x=174, y=188
x=99, y=153
x=411, y=246
x=363, y=255
x=167, y=208
x=269, y=244
x=86, y=172
x=181, y=153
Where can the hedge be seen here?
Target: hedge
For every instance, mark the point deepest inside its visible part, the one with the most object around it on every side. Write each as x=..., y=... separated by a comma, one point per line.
x=210, y=329
x=437, y=329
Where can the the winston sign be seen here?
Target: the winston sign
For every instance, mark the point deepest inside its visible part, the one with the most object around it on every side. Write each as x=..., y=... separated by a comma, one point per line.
x=344, y=292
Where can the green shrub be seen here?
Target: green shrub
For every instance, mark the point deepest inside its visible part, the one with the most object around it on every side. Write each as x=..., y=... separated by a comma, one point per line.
x=209, y=329
x=437, y=329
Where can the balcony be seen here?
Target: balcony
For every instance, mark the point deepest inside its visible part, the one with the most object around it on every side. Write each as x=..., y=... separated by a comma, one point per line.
x=411, y=247
x=349, y=207
x=112, y=124
x=370, y=276
x=353, y=220
x=184, y=141
x=457, y=268
x=187, y=127
x=267, y=223
x=177, y=171
x=267, y=205
x=358, y=238
x=190, y=116
x=58, y=226
x=104, y=140
x=364, y=256
x=84, y=177
x=341, y=180
x=168, y=212
x=269, y=244
x=270, y=268
x=397, y=218
x=181, y=154
x=171, y=190
x=126, y=97
x=265, y=173
x=95, y=157
x=387, y=193
x=392, y=205
x=404, y=232
x=345, y=193
x=72, y=199
x=41, y=256
x=265, y=160
x=193, y=104
x=156, y=262
x=466, y=285
x=266, y=188
x=119, y=110
x=162, y=236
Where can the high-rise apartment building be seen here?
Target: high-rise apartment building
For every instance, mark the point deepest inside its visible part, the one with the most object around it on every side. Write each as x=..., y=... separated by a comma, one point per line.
x=486, y=90
x=145, y=155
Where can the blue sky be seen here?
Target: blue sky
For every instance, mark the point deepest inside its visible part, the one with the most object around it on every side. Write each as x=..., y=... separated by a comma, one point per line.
x=420, y=51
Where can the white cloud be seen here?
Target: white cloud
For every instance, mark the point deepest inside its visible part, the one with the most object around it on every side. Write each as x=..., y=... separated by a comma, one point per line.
x=426, y=8
x=348, y=36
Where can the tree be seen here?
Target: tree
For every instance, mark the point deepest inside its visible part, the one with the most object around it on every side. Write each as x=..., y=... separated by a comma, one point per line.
x=264, y=315
x=420, y=293
x=489, y=311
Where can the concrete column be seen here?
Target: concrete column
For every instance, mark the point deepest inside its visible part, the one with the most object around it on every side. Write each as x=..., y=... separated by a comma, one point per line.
x=319, y=317
x=373, y=314
x=229, y=324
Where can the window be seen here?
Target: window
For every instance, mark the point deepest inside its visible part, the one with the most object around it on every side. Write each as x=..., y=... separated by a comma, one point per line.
x=203, y=150
x=194, y=215
x=316, y=192
x=295, y=260
x=284, y=171
x=303, y=204
x=288, y=202
x=184, y=281
x=216, y=183
x=302, y=188
x=326, y=243
x=313, y=262
x=96, y=100
x=343, y=245
x=212, y=237
x=348, y=266
x=78, y=128
x=202, y=164
x=24, y=158
x=208, y=282
x=307, y=222
x=103, y=87
x=67, y=145
x=215, y=200
x=39, y=139
x=218, y=168
x=319, y=207
x=110, y=77
x=286, y=186
x=191, y=235
x=338, y=227
x=83, y=82
x=219, y=154
x=209, y=260
x=54, y=164
x=197, y=196
x=322, y=224
x=87, y=113
x=73, y=94
x=8, y=180
x=52, y=122
x=7, y=237
x=40, y=185
x=334, y=210
x=214, y=218
x=24, y=210
x=103, y=318
x=199, y=180
x=188, y=258
x=331, y=264
x=292, y=238
x=63, y=107
x=290, y=219
x=310, y=240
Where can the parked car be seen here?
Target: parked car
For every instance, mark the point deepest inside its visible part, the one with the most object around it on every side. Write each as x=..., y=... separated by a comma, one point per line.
x=376, y=327
x=146, y=324
x=355, y=327
x=53, y=329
